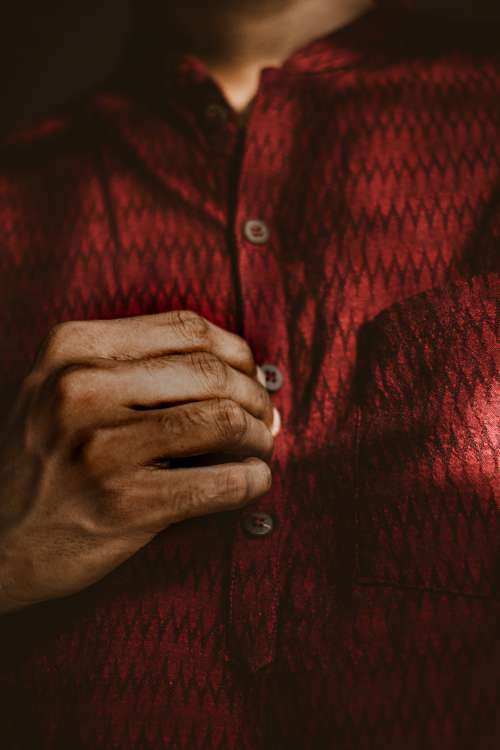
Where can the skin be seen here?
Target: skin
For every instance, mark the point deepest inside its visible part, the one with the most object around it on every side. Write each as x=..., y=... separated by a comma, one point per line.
x=238, y=38
x=96, y=457
x=81, y=484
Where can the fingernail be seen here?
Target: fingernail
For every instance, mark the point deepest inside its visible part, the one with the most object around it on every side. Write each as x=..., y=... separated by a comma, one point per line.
x=261, y=376
x=276, y=425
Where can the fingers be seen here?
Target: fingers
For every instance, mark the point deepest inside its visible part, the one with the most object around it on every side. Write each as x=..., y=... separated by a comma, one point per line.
x=180, y=378
x=87, y=397
x=215, y=426
x=157, y=498
x=143, y=336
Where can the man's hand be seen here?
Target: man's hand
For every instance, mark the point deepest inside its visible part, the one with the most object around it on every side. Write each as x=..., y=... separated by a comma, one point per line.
x=84, y=463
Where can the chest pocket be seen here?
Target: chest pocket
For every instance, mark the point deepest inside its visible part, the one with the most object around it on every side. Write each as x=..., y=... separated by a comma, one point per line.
x=427, y=513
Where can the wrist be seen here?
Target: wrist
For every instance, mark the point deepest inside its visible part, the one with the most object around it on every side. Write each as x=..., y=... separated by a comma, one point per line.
x=7, y=602
x=10, y=601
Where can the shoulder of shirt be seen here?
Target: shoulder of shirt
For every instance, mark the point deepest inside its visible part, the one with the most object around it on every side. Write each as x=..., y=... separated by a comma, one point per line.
x=70, y=130
x=470, y=41
x=46, y=140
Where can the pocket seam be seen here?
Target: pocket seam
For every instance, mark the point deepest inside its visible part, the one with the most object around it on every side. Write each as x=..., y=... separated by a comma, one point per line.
x=357, y=492
x=366, y=582
x=364, y=579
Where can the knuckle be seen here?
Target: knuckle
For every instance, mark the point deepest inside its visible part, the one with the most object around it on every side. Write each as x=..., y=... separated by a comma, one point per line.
x=69, y=384
x=63, y=396
x=231, y=420
x=185, y=500
x=247, y=355
x=172, y=423
x=234, y=486
x=31, y=384
x=263, y=401
x=56, y=341
x=151, y=365
x=212, y=370
x=191, y=326
x=268, y=478
x=165, y=421
x=269, y=444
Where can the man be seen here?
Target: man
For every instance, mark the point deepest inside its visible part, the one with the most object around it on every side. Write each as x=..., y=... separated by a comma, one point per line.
x=310, y=186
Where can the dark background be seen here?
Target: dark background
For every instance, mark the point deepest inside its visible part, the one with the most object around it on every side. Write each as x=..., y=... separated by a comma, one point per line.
x=50, y=50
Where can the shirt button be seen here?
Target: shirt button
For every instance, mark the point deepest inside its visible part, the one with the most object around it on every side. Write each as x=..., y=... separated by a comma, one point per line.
x=258, y=523
x=274, y=377
x=256, y=231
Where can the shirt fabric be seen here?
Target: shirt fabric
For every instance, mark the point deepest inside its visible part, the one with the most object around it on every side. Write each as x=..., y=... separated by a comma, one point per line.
x=369, y=617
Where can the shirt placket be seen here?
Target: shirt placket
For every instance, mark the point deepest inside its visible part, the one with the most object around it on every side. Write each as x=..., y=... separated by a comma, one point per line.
x=260, y=529
x=251, y=187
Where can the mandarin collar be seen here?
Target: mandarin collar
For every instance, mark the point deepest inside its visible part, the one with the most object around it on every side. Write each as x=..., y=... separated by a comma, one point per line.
x=374, y=34
x=370, y=34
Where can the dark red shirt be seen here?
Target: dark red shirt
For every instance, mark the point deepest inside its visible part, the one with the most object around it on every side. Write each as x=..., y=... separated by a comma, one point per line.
x=350, y=233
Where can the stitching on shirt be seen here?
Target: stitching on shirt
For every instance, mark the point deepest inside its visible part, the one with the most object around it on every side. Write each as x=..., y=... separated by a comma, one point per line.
x=257, y=663
x=428, y=589
x=357, y=491
x=102, y=175
x=385, y=321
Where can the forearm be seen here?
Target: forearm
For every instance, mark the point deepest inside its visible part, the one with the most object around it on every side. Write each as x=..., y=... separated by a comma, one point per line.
x=7, y=602
x=10, y=578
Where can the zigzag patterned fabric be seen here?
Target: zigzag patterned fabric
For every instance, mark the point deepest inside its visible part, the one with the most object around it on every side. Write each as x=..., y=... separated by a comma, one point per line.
x=369, y=619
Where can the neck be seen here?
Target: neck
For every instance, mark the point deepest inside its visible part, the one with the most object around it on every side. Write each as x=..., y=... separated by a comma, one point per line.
x=236, y=40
